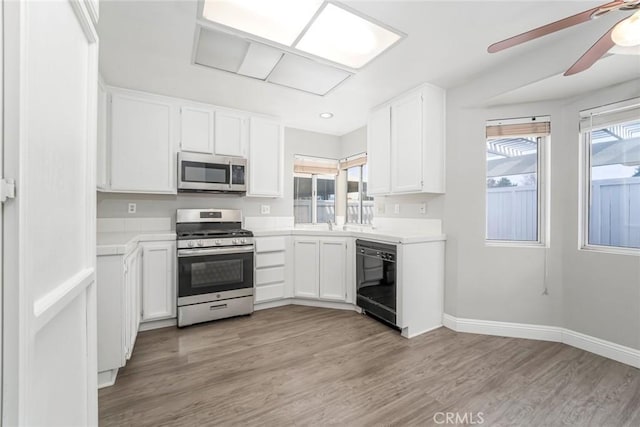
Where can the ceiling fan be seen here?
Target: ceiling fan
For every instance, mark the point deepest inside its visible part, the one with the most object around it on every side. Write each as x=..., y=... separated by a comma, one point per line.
x=624, y=33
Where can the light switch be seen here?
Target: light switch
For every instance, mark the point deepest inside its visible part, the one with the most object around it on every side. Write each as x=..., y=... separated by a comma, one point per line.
x=396, y=208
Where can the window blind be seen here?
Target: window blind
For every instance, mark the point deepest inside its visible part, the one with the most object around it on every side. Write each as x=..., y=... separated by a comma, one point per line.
x=315, y=165
x=513, y=130
x=601, y=117
x=356, y=160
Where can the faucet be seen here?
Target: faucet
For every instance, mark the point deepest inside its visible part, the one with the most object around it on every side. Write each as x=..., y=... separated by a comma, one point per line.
x=330, y=224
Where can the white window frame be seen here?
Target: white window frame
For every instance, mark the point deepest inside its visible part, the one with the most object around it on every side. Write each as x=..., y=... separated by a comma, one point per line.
x=314, y=194
x=543, y=216
x=361, y=199
x=584, y=176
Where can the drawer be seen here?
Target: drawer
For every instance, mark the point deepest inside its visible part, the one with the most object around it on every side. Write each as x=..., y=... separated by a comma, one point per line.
x=270, y=244
x=269, y=275
x=269, y=259
x=271, y=292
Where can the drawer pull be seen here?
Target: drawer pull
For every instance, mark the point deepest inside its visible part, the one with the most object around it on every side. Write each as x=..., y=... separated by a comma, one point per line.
x=217, y=307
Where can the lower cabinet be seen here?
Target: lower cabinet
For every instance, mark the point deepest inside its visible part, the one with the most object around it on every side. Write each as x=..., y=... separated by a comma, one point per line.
x=271, y=270
x=158, y=281
x=129, y=285
x=320, y=268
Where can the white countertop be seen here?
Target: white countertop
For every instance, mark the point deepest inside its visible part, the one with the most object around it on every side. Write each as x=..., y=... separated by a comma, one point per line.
x=383, y=235
x=121, y=243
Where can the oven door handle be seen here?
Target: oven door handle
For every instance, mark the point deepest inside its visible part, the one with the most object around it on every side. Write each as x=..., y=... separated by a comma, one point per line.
x=214, y=251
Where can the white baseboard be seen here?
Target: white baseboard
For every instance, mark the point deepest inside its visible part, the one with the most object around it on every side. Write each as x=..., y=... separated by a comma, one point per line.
x=157, y=324
x=617, y=352
x=306, y=302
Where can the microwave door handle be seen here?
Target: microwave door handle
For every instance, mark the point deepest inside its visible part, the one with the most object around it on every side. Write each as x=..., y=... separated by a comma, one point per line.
x=230, y=175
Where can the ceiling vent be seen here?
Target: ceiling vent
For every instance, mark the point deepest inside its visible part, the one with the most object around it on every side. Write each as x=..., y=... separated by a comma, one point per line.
x=226, y=52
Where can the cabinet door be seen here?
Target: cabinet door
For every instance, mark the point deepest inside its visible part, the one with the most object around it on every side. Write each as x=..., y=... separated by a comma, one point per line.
x=406, y=144
x=196, y=130
x=142, y=151
x=265, y=158
x=127, y=294
x=158, y=281
x=379, y=151
x=333, y=269
x=230, y=134
x=306, y=281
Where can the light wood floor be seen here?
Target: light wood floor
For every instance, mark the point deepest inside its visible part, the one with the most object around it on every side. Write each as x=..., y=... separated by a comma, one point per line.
x=312, y=366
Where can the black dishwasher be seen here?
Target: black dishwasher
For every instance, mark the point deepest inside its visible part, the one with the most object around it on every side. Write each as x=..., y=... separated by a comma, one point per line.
x=376, y=279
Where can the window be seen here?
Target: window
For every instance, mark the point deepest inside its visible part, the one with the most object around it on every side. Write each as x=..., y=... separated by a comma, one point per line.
x=359, y=206
x=515, y=208
x=314, y=190
x=611, y=135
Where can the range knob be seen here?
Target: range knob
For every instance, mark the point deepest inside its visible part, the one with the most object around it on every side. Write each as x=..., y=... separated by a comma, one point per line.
x=218, y=242
x=190, y=244
x=200, y=243
x=235, y=241
x=244, y=240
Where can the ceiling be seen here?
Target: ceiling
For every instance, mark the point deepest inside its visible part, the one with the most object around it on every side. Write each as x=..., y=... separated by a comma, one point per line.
x=148, y=45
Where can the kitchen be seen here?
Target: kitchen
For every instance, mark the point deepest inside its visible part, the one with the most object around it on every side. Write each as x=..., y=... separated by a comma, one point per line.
x=250, y=192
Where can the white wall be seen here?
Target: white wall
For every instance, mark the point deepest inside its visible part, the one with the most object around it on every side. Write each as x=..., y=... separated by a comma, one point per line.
x=592, y=293
x=114, y=205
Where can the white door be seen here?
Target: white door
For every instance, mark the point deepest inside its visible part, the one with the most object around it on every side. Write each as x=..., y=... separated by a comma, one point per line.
x=266, y=146
x=196, y=130
x=50, y=83
x=305, y=253
x=406, y=144
x=142, y=150
x=230, y=134
x=333, y=269
x=158, y=281
x=379, y=151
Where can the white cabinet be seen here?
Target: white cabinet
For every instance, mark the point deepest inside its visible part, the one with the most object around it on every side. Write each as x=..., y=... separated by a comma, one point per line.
x=379, y=151
x=196, y=129
x=333, y=268
x=271, y=268
x=406, y=144
x=306, y=279
x=158, y=280
x=266, y=158
x=320, y=268
x=142, y=147
x=230, y=134
x=118, y=303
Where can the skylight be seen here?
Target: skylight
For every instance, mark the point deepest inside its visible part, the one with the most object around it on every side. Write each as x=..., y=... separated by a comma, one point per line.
x=320, y=28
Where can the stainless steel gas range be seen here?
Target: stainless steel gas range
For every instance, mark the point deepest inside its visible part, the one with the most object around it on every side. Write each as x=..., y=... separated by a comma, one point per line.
x=215, y=265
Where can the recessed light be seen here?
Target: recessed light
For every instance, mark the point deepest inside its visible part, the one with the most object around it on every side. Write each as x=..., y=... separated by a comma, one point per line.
x=326, y=115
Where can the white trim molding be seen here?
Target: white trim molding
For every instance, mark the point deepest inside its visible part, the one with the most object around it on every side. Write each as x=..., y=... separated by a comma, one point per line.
x=610, y=350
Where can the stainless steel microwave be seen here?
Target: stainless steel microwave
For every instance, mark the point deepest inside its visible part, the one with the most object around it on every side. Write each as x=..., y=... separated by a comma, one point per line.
x=205, y=172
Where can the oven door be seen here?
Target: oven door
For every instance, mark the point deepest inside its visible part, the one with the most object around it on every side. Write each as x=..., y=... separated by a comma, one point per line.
x=214, y=273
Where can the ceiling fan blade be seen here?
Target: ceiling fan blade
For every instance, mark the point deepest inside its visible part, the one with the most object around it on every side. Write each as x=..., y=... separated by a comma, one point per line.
x=552, y=27
x=595, y=52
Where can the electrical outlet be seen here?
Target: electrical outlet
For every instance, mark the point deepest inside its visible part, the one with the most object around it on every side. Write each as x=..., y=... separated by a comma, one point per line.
x=265, y=209
x=396, y=208
x=423, y=208
x=132, y=208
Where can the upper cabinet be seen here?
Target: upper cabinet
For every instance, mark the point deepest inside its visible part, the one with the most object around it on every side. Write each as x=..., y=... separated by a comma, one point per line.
x=139, y=135
x=230, y=134
x=196, y=129
x=266, y=149
x=405, y=144
x=142, y=151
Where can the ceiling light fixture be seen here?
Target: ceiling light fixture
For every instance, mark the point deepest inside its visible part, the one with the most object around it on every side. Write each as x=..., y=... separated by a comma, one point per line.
x=320, y=28
x=346, y=38
x=280, y=21
x=326, y=115
x=627, y=32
